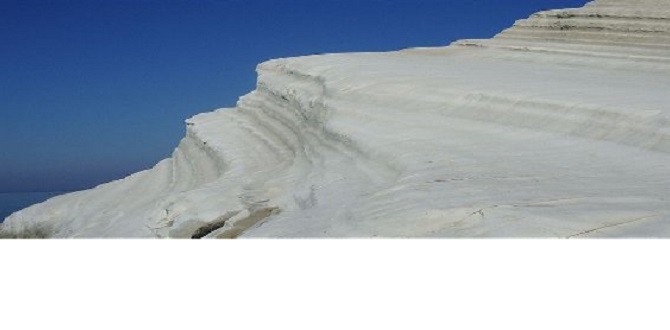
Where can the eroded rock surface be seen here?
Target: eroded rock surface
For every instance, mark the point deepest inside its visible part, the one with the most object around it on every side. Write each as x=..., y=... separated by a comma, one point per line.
x=557, y=127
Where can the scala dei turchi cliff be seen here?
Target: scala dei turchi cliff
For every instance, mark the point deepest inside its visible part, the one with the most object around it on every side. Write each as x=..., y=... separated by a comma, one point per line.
x=557, y=127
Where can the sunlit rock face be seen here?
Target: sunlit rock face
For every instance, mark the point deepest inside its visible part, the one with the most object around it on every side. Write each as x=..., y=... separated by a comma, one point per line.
x=557, y=127
x=625, y=30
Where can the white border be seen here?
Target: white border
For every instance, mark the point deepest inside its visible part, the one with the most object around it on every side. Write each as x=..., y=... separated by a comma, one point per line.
x=335, y=284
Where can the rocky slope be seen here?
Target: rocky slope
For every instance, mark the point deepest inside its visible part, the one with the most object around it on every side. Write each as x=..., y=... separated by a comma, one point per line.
x=557, y=127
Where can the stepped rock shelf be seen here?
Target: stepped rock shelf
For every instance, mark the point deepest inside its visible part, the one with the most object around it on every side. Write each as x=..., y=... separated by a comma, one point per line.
x=557, y=127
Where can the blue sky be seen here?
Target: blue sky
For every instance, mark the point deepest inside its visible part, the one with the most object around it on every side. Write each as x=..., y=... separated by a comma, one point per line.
x=91, y=91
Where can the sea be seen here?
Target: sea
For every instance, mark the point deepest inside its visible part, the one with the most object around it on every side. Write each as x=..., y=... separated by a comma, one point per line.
x=12, y=202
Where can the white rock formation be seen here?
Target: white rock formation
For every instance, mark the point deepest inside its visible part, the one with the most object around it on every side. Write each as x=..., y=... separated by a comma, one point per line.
x=557, y=127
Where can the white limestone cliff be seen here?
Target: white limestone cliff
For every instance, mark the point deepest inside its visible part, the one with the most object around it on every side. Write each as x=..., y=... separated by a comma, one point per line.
x=557, y=127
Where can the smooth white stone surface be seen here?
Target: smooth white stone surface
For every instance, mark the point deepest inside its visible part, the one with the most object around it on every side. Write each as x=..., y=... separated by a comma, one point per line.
x=557, y=127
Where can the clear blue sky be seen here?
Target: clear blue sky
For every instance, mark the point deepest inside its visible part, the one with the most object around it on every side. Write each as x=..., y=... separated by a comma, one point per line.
x=91, y=91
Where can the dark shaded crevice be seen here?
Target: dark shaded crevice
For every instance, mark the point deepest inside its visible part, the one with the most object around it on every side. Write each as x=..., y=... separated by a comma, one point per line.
x=214, y=225
x=254, y=218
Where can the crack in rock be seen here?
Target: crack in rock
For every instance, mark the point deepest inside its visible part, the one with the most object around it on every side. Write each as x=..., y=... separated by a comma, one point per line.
x=254, y=218
x=612, y=225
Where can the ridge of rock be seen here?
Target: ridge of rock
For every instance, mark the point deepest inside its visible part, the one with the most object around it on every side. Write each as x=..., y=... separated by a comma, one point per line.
x=557, y=127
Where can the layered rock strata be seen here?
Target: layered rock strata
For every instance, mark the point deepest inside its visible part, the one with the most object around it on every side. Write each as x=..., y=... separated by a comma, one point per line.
x=557, y=127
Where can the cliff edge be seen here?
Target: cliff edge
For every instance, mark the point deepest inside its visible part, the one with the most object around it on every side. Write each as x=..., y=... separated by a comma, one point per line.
x=557, y=127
